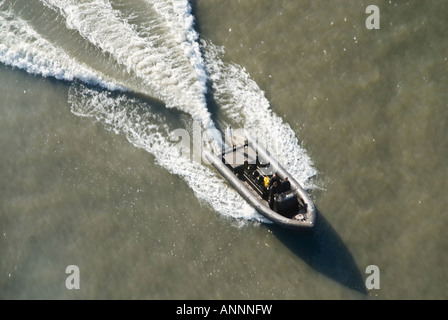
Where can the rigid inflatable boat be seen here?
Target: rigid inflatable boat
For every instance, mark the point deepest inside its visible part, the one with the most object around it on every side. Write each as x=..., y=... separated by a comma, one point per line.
x=264, y=183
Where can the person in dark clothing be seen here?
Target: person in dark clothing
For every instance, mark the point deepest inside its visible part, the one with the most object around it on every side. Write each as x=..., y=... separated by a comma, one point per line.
x=273, y=179
x=273, y=191
x=286, y=185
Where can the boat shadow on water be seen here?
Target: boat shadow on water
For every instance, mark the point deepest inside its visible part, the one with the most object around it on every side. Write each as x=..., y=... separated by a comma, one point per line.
x=325, y=252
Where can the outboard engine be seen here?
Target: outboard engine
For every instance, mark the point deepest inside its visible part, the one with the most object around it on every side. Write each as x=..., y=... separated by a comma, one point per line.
x=286, y=202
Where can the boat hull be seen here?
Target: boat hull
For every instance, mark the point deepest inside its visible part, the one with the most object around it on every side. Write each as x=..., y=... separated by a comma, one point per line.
x=307, y=219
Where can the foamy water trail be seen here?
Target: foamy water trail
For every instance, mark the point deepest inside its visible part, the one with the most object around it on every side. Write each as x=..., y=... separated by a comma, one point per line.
x=245, y=104
x=22, y=47
x=163, y=53
x=169, y=66
x=150, y=132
